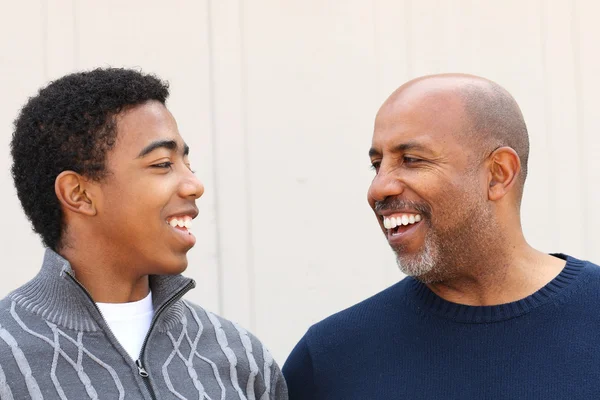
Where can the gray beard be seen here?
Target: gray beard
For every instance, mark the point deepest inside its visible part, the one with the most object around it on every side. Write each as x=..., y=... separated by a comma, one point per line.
x=420, y=264
x=445, y=253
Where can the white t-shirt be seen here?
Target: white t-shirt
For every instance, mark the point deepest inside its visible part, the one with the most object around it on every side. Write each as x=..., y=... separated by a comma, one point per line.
x=129, y=322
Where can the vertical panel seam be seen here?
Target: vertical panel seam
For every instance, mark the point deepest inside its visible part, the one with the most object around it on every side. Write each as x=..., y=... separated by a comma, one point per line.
x=378, y=84
x=247, y=175
x=408, y=37
x=579, y=116
x=214, y=148
x=547, y=113
x=45, y=41
x=75, y=35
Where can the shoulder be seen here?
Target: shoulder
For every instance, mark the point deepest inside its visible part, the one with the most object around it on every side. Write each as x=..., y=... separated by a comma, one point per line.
x=229, y=336
x=5, y=306
x=353, y=326
x=580, y=278
x=12, y=313
x=579, y=272
x=21, y=332
x=588, y=267
x=240, y=347
x=327, y=342
x=364, y=312
x=224, y=329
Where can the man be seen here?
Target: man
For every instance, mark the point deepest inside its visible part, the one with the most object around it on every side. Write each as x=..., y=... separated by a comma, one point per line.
x=104, y=177
x=482, y=315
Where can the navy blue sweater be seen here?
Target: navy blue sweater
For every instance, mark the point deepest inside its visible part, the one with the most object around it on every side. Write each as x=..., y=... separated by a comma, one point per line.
x=408, y=343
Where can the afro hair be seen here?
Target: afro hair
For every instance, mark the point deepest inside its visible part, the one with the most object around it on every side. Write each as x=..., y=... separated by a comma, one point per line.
x=70, y=125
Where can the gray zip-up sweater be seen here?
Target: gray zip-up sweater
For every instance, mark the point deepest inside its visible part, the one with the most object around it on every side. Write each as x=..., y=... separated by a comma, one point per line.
x=54, y=344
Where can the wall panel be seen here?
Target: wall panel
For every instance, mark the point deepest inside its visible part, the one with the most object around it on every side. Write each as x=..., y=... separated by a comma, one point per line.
x=23, y=67
x=277, y=102
x=311, y=87
x=587, y=82
x=232, y=184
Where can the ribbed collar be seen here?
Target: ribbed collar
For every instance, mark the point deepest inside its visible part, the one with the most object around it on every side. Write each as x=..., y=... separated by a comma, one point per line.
x=429, y=302
x=55, y=295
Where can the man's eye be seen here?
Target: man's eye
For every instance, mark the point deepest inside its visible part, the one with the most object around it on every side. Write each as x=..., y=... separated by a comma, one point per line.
x=375, y=166
x=410, y=160
x=166, y=164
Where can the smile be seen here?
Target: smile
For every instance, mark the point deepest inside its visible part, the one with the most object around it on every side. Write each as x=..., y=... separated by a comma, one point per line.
x=390, y=222
x=182, y=222
x=181, y=225
x=400, y=227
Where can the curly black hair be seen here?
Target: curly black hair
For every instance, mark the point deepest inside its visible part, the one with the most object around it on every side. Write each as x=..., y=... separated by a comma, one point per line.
x=70, y=125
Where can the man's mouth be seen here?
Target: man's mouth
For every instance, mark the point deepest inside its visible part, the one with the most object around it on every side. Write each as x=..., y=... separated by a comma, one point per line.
x=396, y=223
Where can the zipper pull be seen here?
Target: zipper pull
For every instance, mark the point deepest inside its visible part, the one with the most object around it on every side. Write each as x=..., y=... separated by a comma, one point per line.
x=143, y=373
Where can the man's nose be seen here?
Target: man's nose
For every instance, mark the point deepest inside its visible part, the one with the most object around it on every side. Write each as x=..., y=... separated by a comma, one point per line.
x=384, y=185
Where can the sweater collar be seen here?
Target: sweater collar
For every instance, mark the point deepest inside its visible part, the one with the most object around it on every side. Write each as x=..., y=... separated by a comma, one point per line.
x=56, y=296
x=427, y=301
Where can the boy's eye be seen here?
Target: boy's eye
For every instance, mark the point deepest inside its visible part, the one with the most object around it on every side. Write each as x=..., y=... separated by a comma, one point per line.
x=166, y=164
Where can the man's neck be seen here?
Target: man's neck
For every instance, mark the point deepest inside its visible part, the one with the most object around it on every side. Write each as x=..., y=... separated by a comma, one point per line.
x=500, y=279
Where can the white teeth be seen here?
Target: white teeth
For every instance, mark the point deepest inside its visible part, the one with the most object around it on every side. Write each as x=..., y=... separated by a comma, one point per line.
x=404, y=219
x=181, y=222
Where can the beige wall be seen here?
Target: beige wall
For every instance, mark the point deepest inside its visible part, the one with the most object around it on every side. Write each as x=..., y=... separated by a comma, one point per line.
x=277, y=99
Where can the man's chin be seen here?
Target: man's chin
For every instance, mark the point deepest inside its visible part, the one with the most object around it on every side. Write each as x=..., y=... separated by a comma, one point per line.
x=418, y=266
x=424, y=273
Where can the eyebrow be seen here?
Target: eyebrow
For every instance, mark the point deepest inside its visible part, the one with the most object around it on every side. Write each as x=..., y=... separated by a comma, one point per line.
x=165, y=144
x=401, y=148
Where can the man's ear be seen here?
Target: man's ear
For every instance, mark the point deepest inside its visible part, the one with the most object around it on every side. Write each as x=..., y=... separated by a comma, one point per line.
x=504, y=169
x=75, y=193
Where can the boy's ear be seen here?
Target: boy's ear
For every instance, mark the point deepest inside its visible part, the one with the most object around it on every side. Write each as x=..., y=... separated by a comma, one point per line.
x=505, y=167
x=74, y=193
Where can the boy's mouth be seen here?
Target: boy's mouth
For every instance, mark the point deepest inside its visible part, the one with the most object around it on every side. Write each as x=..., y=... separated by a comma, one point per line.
x=180, y=222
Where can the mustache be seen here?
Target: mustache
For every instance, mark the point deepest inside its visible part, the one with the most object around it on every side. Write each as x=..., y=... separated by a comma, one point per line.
x=394, y=203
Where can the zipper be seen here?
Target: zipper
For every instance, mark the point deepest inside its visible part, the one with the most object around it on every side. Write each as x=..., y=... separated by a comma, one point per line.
x=141, y=370
x=143, y=373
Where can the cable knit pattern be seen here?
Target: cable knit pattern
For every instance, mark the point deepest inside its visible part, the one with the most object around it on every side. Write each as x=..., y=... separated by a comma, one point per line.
x=54, y=344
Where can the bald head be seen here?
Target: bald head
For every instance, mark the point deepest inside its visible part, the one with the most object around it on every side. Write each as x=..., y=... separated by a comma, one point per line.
x=492, y=118
x=451, y=150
